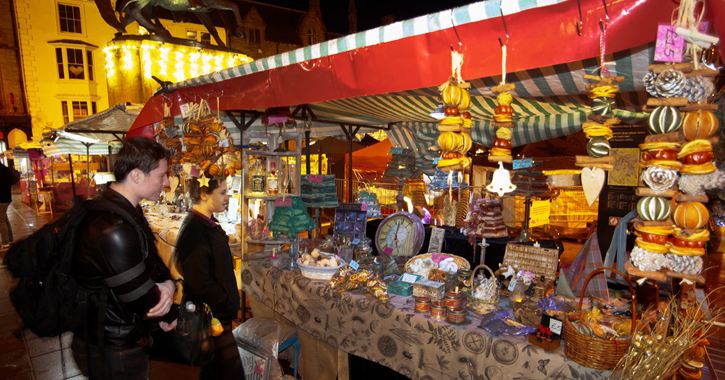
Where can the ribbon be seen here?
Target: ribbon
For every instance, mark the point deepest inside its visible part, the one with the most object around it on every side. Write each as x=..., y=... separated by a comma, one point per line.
x=604, y=71
x=503, y=64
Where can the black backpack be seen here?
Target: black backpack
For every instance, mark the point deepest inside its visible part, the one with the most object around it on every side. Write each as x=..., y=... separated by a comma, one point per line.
x=47, y=297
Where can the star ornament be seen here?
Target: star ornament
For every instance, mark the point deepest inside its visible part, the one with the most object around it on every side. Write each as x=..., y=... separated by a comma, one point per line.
x=203, y=181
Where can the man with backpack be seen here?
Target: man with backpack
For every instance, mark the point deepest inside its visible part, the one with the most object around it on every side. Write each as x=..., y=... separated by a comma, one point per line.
x=7, y=180
x=116, y=261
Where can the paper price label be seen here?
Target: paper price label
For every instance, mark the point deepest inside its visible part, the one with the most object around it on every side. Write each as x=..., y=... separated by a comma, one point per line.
x=315, y=178
x=354, y=265
x=355, y=241
x=387, y=250
x=286, y=202
x=185, y=110
x=669, y=45
x=512, y=285
x=525, y=163
x=364, y=207
x=555, y=326
x=409, y=278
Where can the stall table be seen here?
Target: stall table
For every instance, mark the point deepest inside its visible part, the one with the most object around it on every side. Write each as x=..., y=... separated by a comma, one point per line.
x=393, y=335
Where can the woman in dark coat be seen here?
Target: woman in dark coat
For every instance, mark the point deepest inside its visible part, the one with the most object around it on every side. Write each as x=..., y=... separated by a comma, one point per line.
x=203, y=251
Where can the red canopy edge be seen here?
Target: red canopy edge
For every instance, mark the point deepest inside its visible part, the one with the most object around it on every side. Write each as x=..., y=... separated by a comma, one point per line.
x=538, y=37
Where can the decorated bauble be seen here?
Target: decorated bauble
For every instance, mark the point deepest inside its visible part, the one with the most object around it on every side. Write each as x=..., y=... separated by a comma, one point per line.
x=649, y=83
x=466, y=143
x=653, y=208
x=659, y=179
x=452, y=95
x=665, y=119
x=449, y=141
x=670, y=83
x=598, y=147
x=690, y=215
x=700, y=124
x=465, y=100
x=603, y=106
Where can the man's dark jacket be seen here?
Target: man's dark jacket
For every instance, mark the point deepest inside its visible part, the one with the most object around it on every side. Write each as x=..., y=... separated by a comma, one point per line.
x=110, y=251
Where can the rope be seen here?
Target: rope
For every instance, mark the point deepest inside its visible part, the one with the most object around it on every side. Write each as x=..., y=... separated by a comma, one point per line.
x=456, y=65
x=503, y=64
x=604, y=71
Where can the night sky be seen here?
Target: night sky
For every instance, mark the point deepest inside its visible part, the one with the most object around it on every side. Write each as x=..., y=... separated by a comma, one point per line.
x=369, y=12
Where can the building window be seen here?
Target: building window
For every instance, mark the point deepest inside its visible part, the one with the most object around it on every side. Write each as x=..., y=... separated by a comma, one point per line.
x=255, y=36
x=89, y=55
x=80, y=110
x=70, y=18
x=59, y=60
x=66, y=117
x=94, y=108
x=311, y=36
x=75, y=64
x=206, y=38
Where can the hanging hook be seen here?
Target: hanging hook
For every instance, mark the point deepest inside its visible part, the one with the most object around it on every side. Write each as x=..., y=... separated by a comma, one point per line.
x=221, y=91
x=603, y=24
x=580, y=23
x=460, y=44
x=500, y=8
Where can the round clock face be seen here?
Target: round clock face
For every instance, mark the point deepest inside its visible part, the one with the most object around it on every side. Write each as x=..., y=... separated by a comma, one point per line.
x=400, y=234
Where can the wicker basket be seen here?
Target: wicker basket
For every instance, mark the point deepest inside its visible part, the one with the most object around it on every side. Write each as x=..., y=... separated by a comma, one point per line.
x=591, y=351
x=460, y=261
x=480, y=306
x=542, y=261
x=319, y=273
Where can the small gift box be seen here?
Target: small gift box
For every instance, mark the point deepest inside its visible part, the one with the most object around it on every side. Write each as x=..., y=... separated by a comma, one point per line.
x=426, y=288
x=401, y=288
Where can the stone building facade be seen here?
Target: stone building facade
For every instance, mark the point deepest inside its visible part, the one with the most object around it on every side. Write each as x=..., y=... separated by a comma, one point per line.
x=14, y=121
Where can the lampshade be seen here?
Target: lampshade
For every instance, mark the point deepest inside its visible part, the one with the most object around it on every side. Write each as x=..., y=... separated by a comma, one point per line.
x=501, y=182
x=438, y=113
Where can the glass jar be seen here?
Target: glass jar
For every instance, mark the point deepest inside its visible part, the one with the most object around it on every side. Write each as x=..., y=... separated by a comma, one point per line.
x=516, y=296
x=328, y=245
x=452, y=282
x=363, y=249
x=464, y=280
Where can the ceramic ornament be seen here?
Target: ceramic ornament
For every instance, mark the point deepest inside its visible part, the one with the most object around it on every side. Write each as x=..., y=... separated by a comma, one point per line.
x=592, y=182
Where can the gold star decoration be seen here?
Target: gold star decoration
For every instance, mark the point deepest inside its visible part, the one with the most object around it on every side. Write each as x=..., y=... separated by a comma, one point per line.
x=203, y=181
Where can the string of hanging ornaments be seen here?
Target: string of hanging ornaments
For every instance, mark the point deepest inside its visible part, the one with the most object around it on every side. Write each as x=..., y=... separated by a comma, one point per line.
x=678, y=170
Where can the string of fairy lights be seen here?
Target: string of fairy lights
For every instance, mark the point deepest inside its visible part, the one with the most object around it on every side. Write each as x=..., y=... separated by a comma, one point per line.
x=158, y=58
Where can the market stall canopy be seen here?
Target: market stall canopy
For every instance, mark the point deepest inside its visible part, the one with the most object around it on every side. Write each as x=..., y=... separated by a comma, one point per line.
x=334, y=148
x=388, y=76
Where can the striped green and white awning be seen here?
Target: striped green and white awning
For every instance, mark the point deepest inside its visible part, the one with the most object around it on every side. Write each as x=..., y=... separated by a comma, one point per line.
x=414, y=27
x=66, y=146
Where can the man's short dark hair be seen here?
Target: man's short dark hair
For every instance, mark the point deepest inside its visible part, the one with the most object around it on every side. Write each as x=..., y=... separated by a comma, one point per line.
x=138, y=153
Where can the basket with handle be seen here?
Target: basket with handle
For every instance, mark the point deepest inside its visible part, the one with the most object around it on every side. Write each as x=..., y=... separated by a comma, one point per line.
x=591, y=351
x=480, y=306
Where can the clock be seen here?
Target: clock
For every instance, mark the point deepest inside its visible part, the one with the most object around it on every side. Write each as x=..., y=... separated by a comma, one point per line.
x=400, y=234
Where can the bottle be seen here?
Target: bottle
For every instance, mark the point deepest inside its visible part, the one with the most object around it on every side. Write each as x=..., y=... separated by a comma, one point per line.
x=258, y=182
x=274, y=258
x=272, y=180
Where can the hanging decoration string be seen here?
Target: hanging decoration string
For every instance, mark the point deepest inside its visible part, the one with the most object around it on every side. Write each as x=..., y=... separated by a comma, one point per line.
x=604, y=71
x=503, y=64
x=686, y=18
x=218, y=110
x=456, y=65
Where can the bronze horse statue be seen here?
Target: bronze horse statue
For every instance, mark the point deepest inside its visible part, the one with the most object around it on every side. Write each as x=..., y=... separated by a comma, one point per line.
x=143, y=12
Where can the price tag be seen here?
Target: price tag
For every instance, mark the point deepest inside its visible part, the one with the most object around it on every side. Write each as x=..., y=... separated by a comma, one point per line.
x=185, y=110
x=387, y=250
x=555, y=326
x=409, y=278
x=258, y=370
x=525, y=163
x=355, y=241
x=364, y=207
x=286, y=202
x=512, y=285
x=194, y=171
x=315, y=178
x=669, y=45
x=354, y=265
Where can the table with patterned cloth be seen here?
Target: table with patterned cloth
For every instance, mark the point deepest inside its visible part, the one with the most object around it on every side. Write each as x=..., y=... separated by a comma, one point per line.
x=393, y=335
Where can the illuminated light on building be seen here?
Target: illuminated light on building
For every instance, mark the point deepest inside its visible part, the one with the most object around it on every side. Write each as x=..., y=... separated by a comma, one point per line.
x=206, y=63
x=163, y=59
x=146, y=59
x=128, y=56
x=232, y=61
x=110, y=66
x=179, y=73
x=218, y=60
x=194, y=64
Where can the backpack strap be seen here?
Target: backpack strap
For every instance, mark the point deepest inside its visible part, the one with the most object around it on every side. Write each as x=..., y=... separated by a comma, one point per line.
x=127, y=276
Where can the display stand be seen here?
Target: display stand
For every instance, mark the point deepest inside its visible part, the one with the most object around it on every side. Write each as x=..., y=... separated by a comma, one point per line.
x=294, y=179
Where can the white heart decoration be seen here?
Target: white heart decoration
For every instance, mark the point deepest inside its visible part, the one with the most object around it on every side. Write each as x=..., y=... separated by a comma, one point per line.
x=173, y=184
x=187, y=168
x=592, y=182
